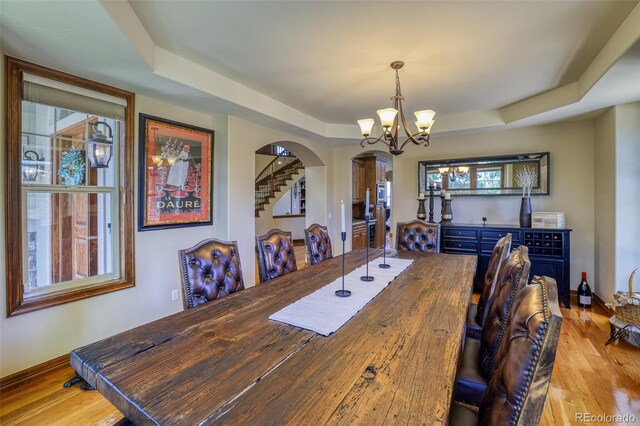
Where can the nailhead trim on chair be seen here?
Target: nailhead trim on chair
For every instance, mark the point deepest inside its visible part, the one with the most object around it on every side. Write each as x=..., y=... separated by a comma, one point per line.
x=536, y=355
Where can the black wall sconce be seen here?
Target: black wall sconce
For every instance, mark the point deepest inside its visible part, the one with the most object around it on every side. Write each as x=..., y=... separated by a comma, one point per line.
x=30, y=170
x=100, y=146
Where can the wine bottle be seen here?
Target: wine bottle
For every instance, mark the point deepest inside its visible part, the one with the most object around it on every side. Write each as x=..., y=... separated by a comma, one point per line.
x=584, y=292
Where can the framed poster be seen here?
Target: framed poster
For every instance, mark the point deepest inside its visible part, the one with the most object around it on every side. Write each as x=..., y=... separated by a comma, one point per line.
x=175, y=175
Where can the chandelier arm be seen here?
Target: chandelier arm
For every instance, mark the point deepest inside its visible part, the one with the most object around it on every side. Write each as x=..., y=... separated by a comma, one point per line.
x=403, y=120
x=417, y=139
x=372, y=141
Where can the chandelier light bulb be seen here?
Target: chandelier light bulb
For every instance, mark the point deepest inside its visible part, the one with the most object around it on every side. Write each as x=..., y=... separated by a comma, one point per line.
x=424, y=118
x=387, y=116
x=366, y=125
x=463, y=169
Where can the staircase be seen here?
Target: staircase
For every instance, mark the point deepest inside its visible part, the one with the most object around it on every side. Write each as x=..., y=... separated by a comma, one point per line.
x=274, y=177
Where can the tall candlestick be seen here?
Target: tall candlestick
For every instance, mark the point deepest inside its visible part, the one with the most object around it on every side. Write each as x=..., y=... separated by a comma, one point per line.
x=432, y=188
x=367, y=277
x=342, y=222
x=366, y=203
x=342, y=292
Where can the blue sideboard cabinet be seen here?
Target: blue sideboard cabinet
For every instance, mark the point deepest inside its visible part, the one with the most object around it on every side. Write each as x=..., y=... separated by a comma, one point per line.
x=549, y=249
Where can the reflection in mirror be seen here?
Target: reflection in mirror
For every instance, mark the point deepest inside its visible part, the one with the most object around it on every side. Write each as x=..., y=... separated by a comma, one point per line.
x=485, y=175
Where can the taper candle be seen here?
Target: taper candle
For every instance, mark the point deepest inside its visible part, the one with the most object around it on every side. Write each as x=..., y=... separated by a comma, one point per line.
x=366, y=203
x=342, y=222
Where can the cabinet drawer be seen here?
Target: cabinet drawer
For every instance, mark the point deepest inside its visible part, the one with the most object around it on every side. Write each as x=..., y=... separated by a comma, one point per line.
x=486, y=246
x=460, y=246
x=496, y=235
x=359, y=229
x=460, y=233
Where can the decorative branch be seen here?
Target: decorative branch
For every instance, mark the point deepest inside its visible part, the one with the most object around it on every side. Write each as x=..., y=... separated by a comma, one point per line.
x=526, y=178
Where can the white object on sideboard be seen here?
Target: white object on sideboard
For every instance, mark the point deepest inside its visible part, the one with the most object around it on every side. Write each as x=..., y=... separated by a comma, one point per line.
x=547, y=220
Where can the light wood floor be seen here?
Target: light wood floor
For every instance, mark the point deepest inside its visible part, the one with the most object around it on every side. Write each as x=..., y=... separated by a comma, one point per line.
x=588, y=377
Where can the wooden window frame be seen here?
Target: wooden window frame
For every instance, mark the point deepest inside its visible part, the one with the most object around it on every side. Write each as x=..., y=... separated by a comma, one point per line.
x=16, y=302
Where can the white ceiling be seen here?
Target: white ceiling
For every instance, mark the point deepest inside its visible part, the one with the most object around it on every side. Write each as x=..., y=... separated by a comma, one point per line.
x=331, y=59
x=317, y=66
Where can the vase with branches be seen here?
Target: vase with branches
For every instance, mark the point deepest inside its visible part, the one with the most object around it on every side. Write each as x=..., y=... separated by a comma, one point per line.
x=526, y=178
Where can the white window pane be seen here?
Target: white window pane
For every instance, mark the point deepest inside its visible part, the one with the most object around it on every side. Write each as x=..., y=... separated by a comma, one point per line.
x=69, y=237
x=37, y=118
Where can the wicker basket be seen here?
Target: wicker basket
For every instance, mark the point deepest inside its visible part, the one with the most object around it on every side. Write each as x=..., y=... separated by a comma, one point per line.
x=629, y=313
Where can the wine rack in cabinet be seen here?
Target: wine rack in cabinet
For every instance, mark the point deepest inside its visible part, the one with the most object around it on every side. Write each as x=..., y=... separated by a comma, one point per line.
x=549, y=249
x=544, y=243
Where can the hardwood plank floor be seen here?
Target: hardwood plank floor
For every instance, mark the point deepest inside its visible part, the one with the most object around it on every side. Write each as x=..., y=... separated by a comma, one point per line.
x=588, y=378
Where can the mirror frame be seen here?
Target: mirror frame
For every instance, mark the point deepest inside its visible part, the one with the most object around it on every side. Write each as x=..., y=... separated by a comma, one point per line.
x=515, y=158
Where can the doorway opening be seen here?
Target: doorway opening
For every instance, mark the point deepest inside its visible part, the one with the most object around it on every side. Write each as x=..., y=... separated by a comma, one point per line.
x=371, y=172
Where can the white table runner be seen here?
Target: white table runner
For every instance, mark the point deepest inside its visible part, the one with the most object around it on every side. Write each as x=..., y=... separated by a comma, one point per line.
x=324, y=312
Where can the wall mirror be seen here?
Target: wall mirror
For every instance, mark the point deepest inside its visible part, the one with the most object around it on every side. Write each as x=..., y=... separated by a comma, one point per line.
x=494, y=175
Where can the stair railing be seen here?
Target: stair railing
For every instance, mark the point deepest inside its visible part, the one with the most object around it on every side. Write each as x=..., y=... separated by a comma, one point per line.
x=272, y=177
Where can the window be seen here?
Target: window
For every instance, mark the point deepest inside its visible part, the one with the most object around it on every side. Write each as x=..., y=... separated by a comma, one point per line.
x=436, y=177
x=459, y=181
x=69, y=164
x=489, y=177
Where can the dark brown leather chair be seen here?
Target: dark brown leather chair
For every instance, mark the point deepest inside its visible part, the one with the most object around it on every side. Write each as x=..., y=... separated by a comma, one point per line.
x=275, y=254
x=524, y=362
x=418, y=235
x=318, y=243
x=478, y=357
x=210, y=270
x=477, y=312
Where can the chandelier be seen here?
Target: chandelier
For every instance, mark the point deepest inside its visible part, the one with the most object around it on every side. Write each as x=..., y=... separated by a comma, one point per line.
x=390, y=125
x=454, y=172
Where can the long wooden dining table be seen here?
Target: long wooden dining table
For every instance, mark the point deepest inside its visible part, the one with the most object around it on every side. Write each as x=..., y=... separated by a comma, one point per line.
x=225, y=362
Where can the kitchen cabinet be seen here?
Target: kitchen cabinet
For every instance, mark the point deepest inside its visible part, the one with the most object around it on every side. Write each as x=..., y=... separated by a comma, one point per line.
x=359, y=235
x=358, y=181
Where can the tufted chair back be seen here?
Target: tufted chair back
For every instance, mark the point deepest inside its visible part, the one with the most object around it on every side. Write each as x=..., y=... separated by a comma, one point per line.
x=418, y=235
x=210, y=270
x=512, y=278
x=275, y=254
x=318, y=243
x=518, y=387
x=499, y=253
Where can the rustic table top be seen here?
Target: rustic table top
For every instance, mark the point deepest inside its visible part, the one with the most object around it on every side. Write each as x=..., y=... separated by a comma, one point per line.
x=225, y=362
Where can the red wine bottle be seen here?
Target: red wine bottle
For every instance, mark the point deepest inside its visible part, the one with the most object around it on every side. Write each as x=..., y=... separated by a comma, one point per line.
x=584, y=292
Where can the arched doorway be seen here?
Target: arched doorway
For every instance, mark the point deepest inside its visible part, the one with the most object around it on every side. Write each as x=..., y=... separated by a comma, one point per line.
x=290, y=191
x=373, y=171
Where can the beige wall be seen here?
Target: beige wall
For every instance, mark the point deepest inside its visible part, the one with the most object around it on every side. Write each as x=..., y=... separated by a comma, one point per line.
x=617, y=229
x=627, y=194
x=604, y=281
x=244, y=139
x=572, y=180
